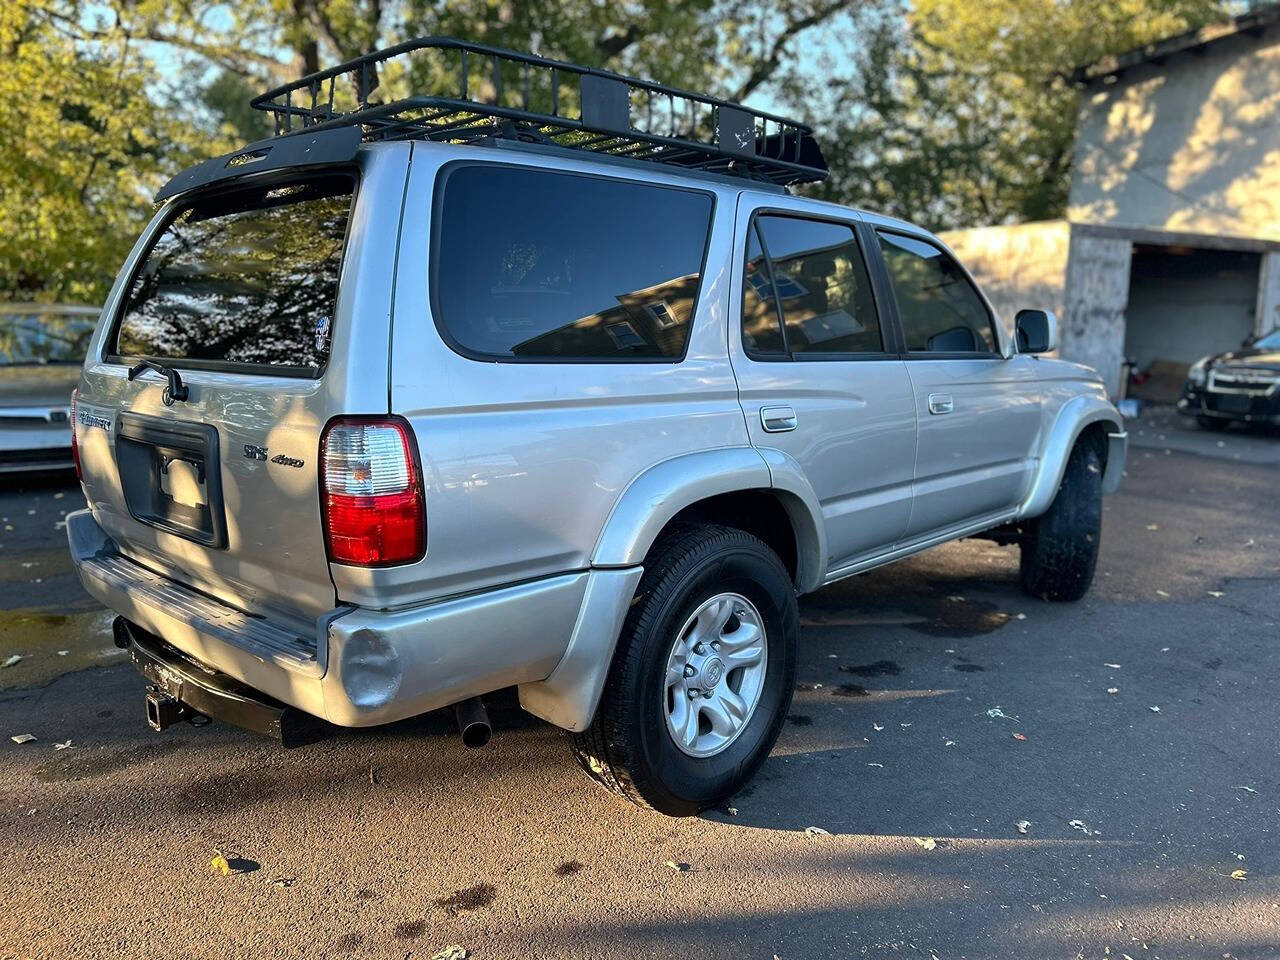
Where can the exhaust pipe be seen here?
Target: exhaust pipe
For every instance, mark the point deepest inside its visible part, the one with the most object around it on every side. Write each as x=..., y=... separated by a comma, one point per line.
x=473, y=722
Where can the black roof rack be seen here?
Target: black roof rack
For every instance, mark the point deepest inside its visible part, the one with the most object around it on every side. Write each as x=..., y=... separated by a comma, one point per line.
x=501, y=93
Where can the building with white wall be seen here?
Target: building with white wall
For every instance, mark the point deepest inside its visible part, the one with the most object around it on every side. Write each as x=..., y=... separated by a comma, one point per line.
x=1171, y=245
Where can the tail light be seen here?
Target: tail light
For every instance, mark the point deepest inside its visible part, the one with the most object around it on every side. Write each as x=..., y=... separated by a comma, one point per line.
x=374, y=508
x=75, y=446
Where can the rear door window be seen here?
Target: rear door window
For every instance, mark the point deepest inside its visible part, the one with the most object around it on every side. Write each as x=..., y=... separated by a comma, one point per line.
x=940, y=310
x=541, y=266
x=814, y=272
x=247, y=278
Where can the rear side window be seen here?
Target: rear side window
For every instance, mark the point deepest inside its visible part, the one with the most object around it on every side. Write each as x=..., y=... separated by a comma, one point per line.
x=533, y=265
x=941, y=312
x=243, y=278
x=822, y=285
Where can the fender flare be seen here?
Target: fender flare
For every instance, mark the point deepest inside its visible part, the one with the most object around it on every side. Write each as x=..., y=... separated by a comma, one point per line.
x=654, y=497
x=1076, y=414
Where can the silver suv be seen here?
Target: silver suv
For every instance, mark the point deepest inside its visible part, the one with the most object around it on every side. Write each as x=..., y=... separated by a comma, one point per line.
x=436, y=396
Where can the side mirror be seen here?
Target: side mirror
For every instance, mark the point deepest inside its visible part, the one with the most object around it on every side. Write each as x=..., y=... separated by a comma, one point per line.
x=1037, y=331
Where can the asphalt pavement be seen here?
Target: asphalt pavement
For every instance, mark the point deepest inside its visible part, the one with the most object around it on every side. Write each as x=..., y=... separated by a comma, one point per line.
x=995, y=777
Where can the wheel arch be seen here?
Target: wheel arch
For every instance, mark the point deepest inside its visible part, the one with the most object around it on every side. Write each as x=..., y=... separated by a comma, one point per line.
x=1086, y=416
x=739, y=487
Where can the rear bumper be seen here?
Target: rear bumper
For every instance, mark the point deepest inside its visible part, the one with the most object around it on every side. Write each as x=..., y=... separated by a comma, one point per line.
x=359, y=667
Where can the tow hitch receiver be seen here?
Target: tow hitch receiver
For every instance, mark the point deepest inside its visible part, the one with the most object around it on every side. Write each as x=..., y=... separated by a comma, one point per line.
x=182, y=690
x=164, y=711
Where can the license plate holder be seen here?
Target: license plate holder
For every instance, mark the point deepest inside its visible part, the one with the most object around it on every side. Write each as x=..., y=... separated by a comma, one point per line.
x=171, y=476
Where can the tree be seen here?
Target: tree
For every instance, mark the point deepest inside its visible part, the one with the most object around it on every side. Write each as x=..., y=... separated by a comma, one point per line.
x=961, y=114
x=102, y=100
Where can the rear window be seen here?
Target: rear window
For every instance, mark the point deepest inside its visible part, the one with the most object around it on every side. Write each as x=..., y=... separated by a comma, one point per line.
x=243, y=278
x=548, y=266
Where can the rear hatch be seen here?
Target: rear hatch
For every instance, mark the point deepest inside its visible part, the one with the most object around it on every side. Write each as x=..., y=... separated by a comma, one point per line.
x=236, y=294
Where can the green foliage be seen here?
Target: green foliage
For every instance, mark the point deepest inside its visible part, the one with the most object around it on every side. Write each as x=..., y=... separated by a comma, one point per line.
x=947, y=112
x=963, y=114
x=82, y=144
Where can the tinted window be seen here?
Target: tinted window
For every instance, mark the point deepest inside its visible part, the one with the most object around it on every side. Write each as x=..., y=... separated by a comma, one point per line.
x=546, y=266
x=44, y=336
x=823, y=286
x=940, y=310
x=249, y=277
x=761, y=331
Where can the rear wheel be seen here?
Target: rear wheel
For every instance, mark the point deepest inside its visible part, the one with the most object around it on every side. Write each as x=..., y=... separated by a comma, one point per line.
x=702, y=676
x=1060, y=551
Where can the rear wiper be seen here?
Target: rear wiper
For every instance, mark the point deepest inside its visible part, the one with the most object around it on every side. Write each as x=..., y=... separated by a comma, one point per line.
x=176, y=390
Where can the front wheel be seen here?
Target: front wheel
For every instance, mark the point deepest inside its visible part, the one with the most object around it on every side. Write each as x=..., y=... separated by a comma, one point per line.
x=702, y=676
x=1060, y=551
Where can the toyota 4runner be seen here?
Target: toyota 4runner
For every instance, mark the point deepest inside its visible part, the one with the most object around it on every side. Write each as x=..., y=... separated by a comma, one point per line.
x=549, y=382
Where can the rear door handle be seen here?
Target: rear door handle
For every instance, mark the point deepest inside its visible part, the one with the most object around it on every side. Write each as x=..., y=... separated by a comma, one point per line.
x=777, y=419
x=941, y=403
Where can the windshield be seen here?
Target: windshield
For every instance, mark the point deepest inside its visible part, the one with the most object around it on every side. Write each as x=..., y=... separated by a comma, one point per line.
x=1269, y=342
x=44, y=336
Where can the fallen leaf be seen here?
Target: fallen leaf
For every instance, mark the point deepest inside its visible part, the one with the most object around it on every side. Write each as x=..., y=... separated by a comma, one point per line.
x=1081, y=826
x=454, y=952
x=1154, y=709
x=219, y=863
x=817, y=832
x=927, y=842
x=1020, y=736
x=731, y=811
x=677, y=867
x=1023, y=826
x=1239, y=874
x=10, y=661
x=23, y=738
x=62, y=746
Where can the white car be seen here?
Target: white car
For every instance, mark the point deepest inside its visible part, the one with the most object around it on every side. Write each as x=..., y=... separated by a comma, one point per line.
x=42, y=348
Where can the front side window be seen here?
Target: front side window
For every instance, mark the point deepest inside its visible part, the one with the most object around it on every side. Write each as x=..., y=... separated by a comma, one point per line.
x=534, y=265
x=245, y=278
x=940, y=310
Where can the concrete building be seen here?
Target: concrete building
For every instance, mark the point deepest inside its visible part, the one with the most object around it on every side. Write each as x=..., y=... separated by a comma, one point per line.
x=1171, y=245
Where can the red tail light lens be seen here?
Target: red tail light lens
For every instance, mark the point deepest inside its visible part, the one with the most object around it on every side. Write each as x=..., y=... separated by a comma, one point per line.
x=75, y=446
x=374, y=509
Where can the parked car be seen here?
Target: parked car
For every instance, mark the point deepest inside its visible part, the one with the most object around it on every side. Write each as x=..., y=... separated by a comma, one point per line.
x=1239, y=386
x=424, y=402
x=42, y=348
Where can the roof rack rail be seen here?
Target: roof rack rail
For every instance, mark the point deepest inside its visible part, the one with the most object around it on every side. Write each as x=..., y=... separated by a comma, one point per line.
x=496, y=93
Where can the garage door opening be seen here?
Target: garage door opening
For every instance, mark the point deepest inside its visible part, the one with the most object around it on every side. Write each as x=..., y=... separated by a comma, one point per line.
x=1185, y=303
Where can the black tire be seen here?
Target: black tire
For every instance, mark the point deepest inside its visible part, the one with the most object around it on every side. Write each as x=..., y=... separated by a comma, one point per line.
x=628, y=748
x=1060, y=549
x=1216, y=424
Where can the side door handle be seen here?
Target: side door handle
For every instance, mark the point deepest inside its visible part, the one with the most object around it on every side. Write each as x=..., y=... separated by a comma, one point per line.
x=777, y=419
x=941, y=403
